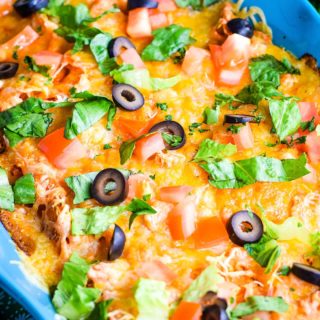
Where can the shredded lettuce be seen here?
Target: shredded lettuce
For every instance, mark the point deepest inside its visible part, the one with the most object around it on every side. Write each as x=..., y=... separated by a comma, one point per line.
x=286, y=116
x=6, y=193
x=213, y=150
x=24, y=190
x=208, y=280
x=72, y=299
x=152, y=300
x=167, y=41
x=141, y=78
x=259, y=303
x=225, y=174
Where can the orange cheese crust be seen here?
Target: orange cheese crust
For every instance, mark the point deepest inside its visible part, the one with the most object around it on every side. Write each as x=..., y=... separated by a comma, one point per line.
x=150, y=239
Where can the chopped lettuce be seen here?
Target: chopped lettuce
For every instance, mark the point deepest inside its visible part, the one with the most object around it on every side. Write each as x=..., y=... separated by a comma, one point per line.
x=86, y=113
x=6, y=193
x=195, y=4
x=265, y=252
x=94, y=220
x=286, y=116
x=100, y=311
x=72, y=299
x=141, y=78
x=138, y=208
x=208, y=280
x=152, y=300
x=225, y=174
x=167, y=41
x=213, y=150
x=259, y=303
x=24, y=190
x=267, y=68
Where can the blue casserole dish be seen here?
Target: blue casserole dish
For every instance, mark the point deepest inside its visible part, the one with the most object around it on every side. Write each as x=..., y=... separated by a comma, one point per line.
x=295, y=26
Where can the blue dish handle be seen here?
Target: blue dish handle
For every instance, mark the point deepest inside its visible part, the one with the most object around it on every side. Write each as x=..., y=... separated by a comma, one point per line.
x=295, y=24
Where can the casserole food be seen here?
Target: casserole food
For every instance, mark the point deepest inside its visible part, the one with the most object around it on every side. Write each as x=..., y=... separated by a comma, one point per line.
x=188, y=189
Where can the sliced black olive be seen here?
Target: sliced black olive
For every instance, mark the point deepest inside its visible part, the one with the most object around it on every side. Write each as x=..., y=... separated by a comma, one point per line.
x=306, y=273
x=109, y=187
x=26, y=8
x=172, y=128
x=8, y=69
x=117, y=243
x=214, y=312
x=116, y=44
x=127, y=97
x=133, y=4
x=244, y=227
x=240, y=26
x=211, y=298
x=238, y=118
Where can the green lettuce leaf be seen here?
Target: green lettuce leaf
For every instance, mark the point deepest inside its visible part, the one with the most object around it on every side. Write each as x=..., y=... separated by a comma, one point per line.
x=208, y=280
x=138, y=208
x=24, y=190
x=6, y=193
x=259, y=303
x=213, y=150
x=86, y=113
x=268, y=68
x=71, y=298
x=100, y=311
x=141, y=78
x=166, y=42
x=99, y=48
x=81, y=186
x=152, y=299
x=94, y=220
x=225, y=174
x=286, y=117
x=27, y=119
x=265, y=252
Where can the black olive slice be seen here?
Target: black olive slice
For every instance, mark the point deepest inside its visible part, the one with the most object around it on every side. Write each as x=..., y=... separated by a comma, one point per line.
x=240, y=26
x=109, y=187
x=26, y=8
x=116, y=44
x=306, y=273
x=244, y=227
x=150, y=4
x=172, y=128
x=238, y=118
x=211, y=298
x=117, y=243
x=214, y=312
x=127, y=97
x=8, y=69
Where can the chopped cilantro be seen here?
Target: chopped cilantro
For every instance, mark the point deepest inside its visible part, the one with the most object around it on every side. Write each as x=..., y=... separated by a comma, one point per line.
x=162, y=106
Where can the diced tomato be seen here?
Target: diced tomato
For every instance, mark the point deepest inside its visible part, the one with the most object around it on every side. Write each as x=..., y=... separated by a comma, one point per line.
x=181, y=220
x=210, y=232
x=48, y=58
x=166, y=5
x=23, y=39
x=174, y=194
x=138, y=23
x=308, y=111
x=193, y=60
x=158, y=20
x=140, y=185
x=187, y=311
x=244, y=139
x=157, y=270
x=231, y=59
x=135, y=128
x=131, y=56
x=60, y=151
x=148, y=146
x=312, y=147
